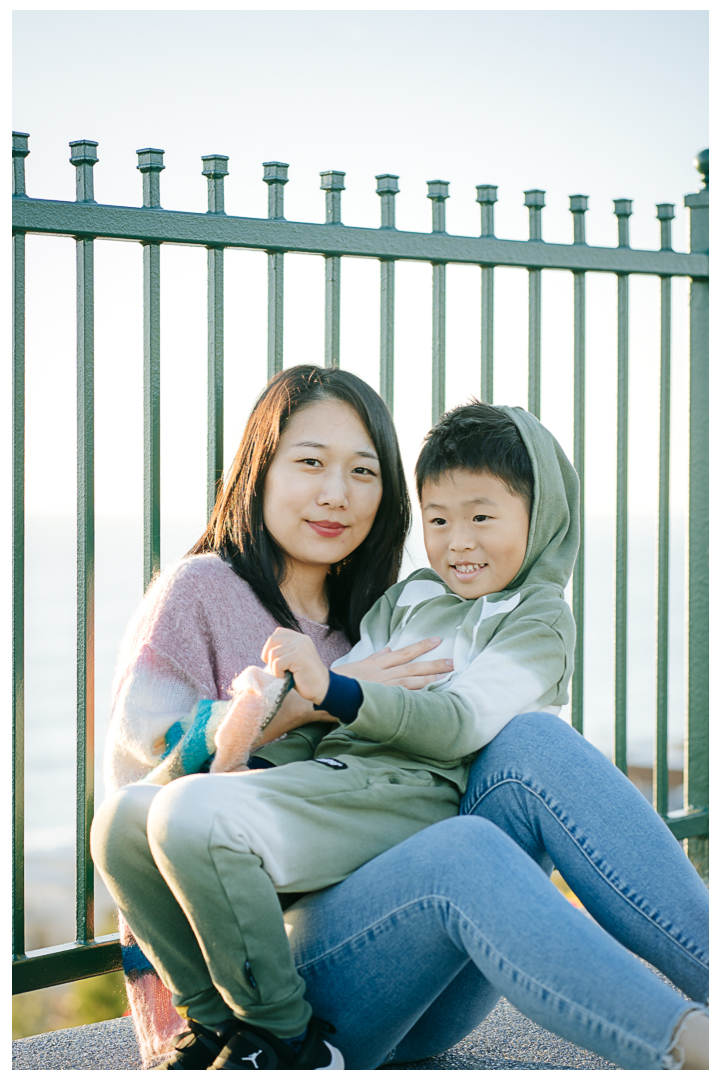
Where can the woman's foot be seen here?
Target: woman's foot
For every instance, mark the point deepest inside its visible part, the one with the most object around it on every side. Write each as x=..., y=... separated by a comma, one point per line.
x=254, y=1048
x=692, y=1046
x=195, y=1048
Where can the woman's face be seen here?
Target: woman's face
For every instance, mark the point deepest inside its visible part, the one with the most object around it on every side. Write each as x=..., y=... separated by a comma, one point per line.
x=323, y=488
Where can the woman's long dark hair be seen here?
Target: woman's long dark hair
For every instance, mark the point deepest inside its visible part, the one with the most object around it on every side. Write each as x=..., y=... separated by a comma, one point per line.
x=236, y=528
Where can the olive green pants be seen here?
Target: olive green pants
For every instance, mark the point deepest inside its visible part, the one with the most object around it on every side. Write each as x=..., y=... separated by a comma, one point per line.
x=196, y=866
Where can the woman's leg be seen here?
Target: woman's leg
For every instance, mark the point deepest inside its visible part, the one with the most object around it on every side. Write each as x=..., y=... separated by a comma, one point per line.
x=385, y=951
x=566, y=805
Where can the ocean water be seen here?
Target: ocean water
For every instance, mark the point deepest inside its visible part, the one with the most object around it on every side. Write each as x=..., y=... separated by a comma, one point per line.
x=50, y=676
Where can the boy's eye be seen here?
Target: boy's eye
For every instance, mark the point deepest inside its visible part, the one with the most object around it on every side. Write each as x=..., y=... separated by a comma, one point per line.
x=480, y=517
x=438, y=521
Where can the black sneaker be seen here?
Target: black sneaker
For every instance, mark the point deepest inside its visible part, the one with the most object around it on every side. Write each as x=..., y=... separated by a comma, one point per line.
x=255, y=1048
x=196, y=1048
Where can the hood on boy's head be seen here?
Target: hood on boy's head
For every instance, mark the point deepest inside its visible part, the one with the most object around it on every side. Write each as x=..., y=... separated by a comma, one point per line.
x=554, y=535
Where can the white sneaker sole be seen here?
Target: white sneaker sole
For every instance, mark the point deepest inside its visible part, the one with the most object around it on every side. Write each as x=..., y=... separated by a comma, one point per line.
x=337, y=1061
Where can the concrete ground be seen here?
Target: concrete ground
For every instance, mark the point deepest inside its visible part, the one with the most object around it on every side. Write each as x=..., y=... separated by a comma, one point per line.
x=506, y=1040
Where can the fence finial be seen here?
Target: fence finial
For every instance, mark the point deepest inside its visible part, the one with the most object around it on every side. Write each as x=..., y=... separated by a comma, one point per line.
x=623, y=210
x=438, y=192
x=150, y=164
x=216, y=170
x=535, y=200
x=702, y=164
x=487, y=197
x=699, y=205
x=332, y=183
x=665, y=213
x=276, y=176
x=83, y=155
x=387, y=188
x=578, y=206
x=19, y=153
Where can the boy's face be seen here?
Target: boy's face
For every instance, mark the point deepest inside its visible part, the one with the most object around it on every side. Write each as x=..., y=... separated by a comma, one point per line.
x=475, y=532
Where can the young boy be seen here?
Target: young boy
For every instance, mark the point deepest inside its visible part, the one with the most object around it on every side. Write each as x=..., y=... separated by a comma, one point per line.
x=499, y=507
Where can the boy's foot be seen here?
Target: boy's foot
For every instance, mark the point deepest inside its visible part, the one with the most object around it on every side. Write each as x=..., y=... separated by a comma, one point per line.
x=195, y=1048
x=255, y=1048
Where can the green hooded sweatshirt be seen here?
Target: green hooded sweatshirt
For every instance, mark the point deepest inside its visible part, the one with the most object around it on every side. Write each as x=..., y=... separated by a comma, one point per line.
x=512, y=650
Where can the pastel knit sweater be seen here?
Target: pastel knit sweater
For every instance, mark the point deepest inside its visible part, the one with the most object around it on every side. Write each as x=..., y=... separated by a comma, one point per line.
x=198, y=627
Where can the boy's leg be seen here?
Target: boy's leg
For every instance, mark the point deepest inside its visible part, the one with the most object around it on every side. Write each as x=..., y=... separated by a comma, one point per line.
x=226, y=843
x=121, y=853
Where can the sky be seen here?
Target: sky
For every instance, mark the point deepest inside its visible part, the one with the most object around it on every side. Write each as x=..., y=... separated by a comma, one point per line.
x=608, y=103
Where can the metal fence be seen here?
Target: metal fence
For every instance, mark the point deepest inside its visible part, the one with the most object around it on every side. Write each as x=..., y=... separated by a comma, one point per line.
x=153, y=226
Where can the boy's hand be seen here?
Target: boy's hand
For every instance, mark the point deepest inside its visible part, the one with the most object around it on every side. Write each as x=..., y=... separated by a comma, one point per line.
x=287, y=650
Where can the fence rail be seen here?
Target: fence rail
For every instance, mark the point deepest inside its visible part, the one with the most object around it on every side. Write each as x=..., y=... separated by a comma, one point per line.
x=152, y=226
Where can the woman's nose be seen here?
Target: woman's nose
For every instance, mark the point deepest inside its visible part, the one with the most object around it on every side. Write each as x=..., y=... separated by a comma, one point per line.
x=333, y=493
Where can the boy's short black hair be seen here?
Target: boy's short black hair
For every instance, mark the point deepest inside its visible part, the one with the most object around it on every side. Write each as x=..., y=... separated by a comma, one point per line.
x=478, y=438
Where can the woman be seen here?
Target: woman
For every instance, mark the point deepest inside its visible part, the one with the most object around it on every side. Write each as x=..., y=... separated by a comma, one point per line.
x=310, y=529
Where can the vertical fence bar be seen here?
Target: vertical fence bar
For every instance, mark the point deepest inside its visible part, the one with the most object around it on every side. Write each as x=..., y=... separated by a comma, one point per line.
x=275, y=176
x=534, y=200
x=487, y=197
x=623, y=210
x=578, y=207
x=216, y=169
x=19, y=153
x=665, y=213
x=150, y=164
x=697, y=777
x=83, y=155
x=332, y=183
x=438, y=192
x=387, y=188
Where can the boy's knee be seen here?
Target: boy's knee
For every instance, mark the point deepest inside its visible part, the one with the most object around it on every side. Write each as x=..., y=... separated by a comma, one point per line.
x=119, y=828
x=179, y=817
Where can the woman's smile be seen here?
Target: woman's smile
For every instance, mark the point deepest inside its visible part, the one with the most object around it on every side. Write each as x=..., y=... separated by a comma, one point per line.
x=328, y=528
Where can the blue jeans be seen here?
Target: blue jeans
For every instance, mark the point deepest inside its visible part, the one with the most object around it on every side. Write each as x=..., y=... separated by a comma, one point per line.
x=412, y=951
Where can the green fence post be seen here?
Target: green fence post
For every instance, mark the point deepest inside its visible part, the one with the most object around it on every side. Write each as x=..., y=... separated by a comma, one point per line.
x=83, y=155
x=387, y=188
x=332, y=183
x=697, y=777
x=578, y=208
x=487, y=197
x=19, y=153
x=438, y=192
x=276, y=177
x=665, y=213
x=215, y=169
x=623, y=210
x=535, y=201
x=150, y=164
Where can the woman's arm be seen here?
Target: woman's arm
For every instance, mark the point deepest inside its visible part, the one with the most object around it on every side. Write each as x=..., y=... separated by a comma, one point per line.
x=396, y=667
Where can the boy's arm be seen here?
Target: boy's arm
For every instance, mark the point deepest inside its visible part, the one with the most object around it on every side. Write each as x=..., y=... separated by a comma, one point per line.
x=520, y=670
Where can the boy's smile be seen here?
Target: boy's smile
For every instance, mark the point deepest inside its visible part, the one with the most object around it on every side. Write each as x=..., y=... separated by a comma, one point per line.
x=475, y=532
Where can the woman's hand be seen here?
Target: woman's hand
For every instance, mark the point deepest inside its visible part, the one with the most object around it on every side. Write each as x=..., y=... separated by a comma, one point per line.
x=294, y=712
x=396, y=667
x=287, y=650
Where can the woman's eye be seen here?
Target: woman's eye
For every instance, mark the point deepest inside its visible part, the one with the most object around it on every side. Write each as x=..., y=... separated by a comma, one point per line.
x=310, y=461
x=363, y=471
